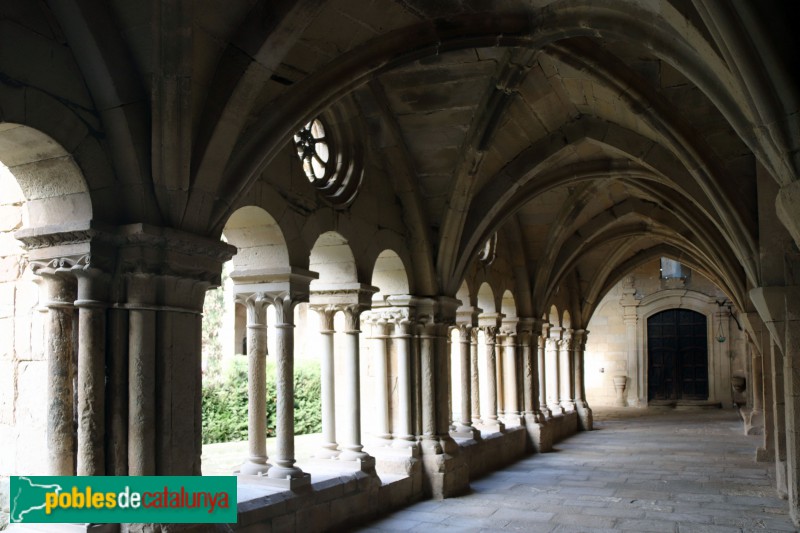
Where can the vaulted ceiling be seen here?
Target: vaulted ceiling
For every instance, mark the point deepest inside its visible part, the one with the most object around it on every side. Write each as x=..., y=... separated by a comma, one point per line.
x=594, y=134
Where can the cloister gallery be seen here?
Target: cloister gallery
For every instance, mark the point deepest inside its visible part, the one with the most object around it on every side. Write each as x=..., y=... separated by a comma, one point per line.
x=482, y=218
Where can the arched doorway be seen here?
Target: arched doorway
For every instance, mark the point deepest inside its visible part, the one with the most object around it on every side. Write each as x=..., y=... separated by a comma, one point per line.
x=677, y=350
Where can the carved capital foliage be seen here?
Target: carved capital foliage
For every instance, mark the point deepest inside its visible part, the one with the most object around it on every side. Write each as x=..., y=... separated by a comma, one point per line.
x=284, y=304
x=352, y=317
x=490, y=333
x=325, y=313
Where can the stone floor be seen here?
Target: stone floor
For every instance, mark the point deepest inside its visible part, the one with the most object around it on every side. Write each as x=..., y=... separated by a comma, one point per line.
x=642, y=470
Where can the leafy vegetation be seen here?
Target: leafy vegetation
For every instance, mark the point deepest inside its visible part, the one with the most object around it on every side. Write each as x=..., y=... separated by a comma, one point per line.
x=225, y=402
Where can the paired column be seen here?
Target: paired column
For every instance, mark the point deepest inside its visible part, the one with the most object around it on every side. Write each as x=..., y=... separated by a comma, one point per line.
x=464, y=428
x=284, y=467
x=511, y=412
x=489, y=418
x=404, y=433
x=475, y=398
x=552, y=371
x=256, y=463
x=585, y=418
x=380, y=354
x=352, y=449
x=542, y=371
x=329, y=448
x=565, y=358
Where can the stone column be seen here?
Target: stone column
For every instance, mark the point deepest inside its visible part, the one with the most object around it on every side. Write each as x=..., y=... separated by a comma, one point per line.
x=380, y=356
x=755, y=419
x=499, y=360
x=427, y=336
x=256, y=463
x=779, y=413
x=352, y=449
x=552, y=369
x=284, y=467
x=630, y=317
x=542, y=371
x=511, y=413
x=91, y=304
x=540, y=437
x=475, y=398
x=59, y=295
x=141, y=375
x=566, y=358
x=791, y=389
x=329, y=447
x=464, y=428
x=585, y=418
x=490, y=419
x=404, y=434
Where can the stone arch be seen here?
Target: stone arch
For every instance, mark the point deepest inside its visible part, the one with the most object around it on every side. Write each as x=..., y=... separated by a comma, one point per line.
x=554, y=317
x=566, y=320
x=463, y=295
x=48, y=177
x=486, y=300
x=389, y=275
x=332, y=258
x=508, y=305
x=258, y=239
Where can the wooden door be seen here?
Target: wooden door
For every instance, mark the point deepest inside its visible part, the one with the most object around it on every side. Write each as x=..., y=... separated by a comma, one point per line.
x=677, y=351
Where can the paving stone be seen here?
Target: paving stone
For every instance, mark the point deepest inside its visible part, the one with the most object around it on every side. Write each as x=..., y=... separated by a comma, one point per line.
x=643, y=472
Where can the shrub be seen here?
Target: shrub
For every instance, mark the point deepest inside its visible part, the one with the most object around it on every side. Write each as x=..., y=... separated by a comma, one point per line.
x=225, y=402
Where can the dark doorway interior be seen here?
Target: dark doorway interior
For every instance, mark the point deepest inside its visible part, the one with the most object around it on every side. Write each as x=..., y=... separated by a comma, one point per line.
x=677, y=354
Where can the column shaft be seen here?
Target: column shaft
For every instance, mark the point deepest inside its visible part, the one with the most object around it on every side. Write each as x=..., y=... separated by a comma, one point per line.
x=60, y=293
x=352, y=447
x=404, y=435
x=465, y=417
x=380, y=355
x=256, y=462
x=428, y=384
x=283, y=458
x=142, y=392
x=91, y=377
x=542, y=374
x=510, y=380
x=490, y=336
x=475, y=399
x=329, y=447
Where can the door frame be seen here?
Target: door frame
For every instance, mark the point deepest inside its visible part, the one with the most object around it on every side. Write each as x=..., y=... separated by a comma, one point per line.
x=678, y=363
x=719, y=354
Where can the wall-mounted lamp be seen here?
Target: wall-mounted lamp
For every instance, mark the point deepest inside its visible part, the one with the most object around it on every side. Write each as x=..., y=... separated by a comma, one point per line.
x=720, y=333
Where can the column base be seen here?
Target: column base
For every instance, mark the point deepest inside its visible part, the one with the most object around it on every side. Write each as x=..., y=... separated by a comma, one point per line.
x=764, y=455
x=445, y=475
x=465, y=433
x=781, y=481
x=585, y=417
x=545, y=412
x=754, y=422
x=404, y=442
x=555, y=409
x=492, y=426
x=283, y=472
x=512, y=420
x=540, y=435
x=327, y=451
x=301, y=481
x=253, y=468
x=568, y=406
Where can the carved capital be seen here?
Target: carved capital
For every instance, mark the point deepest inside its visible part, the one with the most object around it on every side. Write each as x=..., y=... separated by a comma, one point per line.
x=352, y=317
x=325, y=313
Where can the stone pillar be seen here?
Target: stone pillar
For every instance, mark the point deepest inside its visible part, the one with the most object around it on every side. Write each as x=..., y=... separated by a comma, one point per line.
x=380, y=356
x=499, y=342
x=475, y=398
x=566, y=356
x=779, y=412
x=256, y=463
x=329, y=447
x=352, y=449
x=542, y=371
x=540, y=438
x=767, y=452
x=791, y=376
x=91, y=304
x=141, y=375
x=553, y=371
x=511, y=413
x=59, y=295
x=404, y=433
x=464, y=428
x=755, y=419
x=630, y=317
x=585, y=418
x=284, y=467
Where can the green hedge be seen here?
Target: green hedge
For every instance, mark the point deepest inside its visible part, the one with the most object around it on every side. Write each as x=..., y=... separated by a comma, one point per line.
x=225, y=402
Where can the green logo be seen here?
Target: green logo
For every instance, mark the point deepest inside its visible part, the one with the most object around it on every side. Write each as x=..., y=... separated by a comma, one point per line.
x=120, y=499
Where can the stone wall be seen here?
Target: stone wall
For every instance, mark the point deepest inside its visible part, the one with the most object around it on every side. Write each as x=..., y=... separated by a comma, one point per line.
x=22, y=364
x=608, y=344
